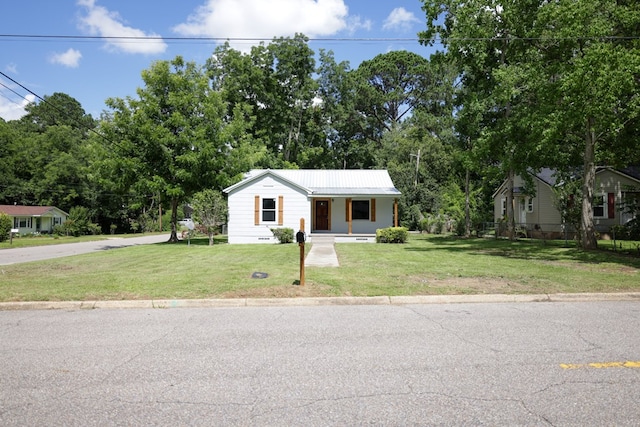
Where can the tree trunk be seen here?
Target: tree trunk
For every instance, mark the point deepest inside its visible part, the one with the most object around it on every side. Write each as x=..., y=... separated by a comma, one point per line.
x=467, y=214
x=211, y=238
x=588, y=238
x=511, y=219
x=174, y=221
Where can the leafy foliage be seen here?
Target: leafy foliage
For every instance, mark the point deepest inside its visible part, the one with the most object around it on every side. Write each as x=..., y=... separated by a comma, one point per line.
x=392, y=235
x=283, y=234
x=210, y=211
x=77, y=224
x=5, y=226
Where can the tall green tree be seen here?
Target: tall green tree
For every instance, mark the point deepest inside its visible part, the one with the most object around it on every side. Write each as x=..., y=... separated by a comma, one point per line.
x=343, y=124
x=590, y=94
x=558, y=80
x=46, y=161
x=56, y=110
x=389, y=87
x=275, y=84
x=176, y=138
x=487, y=41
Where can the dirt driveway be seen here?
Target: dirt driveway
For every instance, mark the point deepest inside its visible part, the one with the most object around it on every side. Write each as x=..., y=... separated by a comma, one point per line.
x=38, y=253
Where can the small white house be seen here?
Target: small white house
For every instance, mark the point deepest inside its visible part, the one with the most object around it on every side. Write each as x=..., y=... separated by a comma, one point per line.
x=347, y=203
x=34, y=219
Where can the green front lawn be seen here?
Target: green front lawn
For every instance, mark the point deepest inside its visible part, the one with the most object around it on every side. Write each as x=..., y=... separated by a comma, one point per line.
x=423, y=266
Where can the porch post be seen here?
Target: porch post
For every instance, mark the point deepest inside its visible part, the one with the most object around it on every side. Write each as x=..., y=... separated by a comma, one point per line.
x=395, y=212
x=349, y=215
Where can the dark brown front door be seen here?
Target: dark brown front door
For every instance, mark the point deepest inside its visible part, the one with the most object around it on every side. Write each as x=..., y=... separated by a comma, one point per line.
x=322, y=215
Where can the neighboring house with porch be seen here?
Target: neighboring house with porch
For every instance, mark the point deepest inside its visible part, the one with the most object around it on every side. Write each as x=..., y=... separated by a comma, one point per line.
x=351, y=204
x=538, y=214
x=34, y=219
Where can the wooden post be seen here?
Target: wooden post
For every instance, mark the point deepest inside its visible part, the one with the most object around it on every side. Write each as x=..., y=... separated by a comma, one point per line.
x=395, y=212
x=301, y=244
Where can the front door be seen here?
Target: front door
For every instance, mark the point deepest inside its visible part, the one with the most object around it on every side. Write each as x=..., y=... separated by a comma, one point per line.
x=322, y=215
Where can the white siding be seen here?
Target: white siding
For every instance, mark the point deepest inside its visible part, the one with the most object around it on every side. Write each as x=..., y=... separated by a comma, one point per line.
x=241, y=226
x=608, y=181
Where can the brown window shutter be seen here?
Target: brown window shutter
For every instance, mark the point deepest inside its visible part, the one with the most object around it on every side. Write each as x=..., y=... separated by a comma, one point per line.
x=347, y=210
x=611, y=205
x=256, y=211
x=373, y=210
x=280, y=210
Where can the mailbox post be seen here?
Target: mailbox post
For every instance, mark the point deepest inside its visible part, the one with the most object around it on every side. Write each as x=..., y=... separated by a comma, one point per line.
x=13, y=231
x=300, y=239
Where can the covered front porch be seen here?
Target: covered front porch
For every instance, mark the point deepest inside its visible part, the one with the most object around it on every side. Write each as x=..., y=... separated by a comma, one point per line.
x=352, y=217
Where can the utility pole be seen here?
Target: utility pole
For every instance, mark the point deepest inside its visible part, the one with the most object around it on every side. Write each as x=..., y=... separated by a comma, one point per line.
x=417, y=156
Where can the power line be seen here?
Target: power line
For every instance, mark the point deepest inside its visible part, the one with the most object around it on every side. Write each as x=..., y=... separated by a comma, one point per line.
x=311, y=39
x=205, y=39
x=61, y=111
x=16, y=93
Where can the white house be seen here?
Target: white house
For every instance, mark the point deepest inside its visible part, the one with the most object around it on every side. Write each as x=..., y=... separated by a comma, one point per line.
x=34, y=219
x=347, y=203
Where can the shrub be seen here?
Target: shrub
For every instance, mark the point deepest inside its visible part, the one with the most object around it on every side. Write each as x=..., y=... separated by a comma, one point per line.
x=5, y=226
x=284, y=234
x=60, y=230
x=392, y=235
x=424, y=224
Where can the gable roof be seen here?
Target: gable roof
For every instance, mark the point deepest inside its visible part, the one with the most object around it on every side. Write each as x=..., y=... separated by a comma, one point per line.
x=632, y=172
x=21, y=210
x=549, y=176
x=545, y=175
x=325, y=182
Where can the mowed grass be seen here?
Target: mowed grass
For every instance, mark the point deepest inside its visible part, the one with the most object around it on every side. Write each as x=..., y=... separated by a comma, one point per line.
x=426, y=265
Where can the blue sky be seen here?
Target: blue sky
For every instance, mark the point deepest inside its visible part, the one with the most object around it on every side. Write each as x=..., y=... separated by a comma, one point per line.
x=93, y=70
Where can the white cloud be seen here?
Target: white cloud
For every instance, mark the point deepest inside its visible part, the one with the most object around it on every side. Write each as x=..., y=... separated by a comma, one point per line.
x=99, y=21
x=12, y=110
x=265, y=19
x=70, y=58
x=11, y=68
x=356, y=23
x=399, y=19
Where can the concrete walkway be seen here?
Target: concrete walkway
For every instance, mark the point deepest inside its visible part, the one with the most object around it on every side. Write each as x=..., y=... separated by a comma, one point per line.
x=322, y=253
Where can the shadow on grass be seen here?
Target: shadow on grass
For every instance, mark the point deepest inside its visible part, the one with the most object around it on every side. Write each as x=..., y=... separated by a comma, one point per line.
x=198, y=241
x=550, y=250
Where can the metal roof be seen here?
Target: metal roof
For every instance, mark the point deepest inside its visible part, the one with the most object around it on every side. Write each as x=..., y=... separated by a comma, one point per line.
x=331, y=181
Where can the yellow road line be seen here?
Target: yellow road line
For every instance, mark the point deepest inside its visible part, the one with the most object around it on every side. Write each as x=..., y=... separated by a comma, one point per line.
x=601, y=365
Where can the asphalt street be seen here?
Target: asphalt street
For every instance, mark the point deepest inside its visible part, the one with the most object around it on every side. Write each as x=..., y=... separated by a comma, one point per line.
x=39, y=253
x=498, y=364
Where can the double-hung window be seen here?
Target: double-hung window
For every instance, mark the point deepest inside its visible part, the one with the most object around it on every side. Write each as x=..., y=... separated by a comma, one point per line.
x=268, y=210
x=599, y=203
